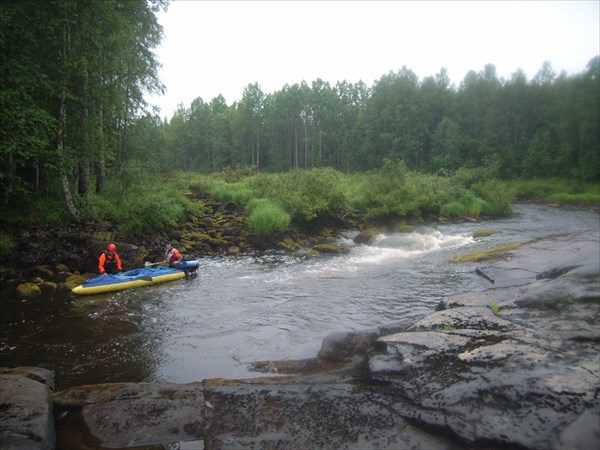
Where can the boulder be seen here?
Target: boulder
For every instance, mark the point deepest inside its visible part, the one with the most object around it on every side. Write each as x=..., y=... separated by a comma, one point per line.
x=26, y=421
x=331, y=249
x=28, y=290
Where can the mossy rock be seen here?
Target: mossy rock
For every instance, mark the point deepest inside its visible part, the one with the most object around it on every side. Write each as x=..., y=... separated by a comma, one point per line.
x=484, y=233
x=487, y=255
x=233, y=250
x=331, y=249
x=73, y=281
x=311, y=253
x=196, y=236
x=28, y=290
x=48, y=287
x=288, y=244
x=61, y=268
x=403, y=227
x=218, y=242
x=43, y=272
x=206, y=222
x=365, y=236
x=62, y=276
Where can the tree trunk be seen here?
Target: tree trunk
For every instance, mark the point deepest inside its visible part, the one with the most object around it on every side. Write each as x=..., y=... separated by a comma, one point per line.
x=100, y=169
x=305, y=144
x=84, y=178
x=62, y=130
x=295, y=144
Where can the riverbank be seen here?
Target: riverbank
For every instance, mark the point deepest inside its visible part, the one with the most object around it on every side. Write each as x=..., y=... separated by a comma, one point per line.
x=49, y=260
x=515, y=366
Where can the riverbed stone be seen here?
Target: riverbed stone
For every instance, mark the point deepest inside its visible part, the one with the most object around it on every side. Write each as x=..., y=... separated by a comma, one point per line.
x=28, y=290
x=516, y=365
x=331, y=249
x=26, y=421
x=121, y=415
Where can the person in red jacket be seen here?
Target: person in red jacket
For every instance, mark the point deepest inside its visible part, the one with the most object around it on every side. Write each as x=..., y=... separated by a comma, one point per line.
x=109, y=262
x=172, y=256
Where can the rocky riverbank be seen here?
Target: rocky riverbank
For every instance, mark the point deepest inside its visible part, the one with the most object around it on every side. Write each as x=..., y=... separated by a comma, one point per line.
x=515, y=366
x=46, y=261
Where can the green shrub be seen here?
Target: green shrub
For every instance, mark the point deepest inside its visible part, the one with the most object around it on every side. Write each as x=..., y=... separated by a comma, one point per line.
x=303, y=194
x=453, y=209
x=496, y=195
x=6, y=243
x=391, y=192
x=238, y=193
x=266, y=218
x=587, y=198
x=549, y=187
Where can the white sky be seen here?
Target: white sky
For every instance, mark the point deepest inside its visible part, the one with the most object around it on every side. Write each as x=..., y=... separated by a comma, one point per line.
x=219, y=47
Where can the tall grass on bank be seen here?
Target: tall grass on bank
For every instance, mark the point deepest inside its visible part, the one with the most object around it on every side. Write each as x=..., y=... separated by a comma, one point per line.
x=146, y=202
x=303, y=194
x=265, y=217
x=557, y=190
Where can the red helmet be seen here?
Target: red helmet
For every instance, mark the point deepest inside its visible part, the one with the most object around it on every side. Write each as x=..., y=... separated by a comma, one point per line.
x=111, y=248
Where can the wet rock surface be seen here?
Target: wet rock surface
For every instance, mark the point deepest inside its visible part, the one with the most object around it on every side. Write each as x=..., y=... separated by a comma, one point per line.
x=48, y=259
x=26, y=421
x=515, y=366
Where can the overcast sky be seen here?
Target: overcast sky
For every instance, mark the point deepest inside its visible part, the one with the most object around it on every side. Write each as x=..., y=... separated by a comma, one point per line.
x=219, y=47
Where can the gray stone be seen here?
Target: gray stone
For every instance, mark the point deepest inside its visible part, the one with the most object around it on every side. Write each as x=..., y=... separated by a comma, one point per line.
x=515, y=366
x=26, y=421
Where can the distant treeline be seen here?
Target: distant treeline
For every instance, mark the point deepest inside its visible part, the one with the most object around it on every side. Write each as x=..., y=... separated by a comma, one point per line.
x=73, y=116
x=547, y=126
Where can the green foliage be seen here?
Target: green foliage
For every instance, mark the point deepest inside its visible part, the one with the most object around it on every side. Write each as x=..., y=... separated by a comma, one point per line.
x=147, y=206
x=6, y=243
x=238, y=193
x=389, y=194
x=556, y=190
x=495, y=307
x=266, y=217
x=303, y=194
x=433, y=192
x=587, y=198
x=453, y=209
x=496, y=198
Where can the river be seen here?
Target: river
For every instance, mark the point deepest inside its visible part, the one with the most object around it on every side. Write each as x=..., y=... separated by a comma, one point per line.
x=241, y=309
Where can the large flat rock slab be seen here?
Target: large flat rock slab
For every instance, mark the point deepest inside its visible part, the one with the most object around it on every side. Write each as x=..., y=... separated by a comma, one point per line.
x=515, y=366
x=26, y=421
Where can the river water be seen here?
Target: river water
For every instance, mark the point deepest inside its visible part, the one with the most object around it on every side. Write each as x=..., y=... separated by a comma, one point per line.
x=249, y=308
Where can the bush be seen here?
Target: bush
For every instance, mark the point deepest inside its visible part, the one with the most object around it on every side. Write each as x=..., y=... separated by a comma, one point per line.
x=265, y=217
x=303, y=194
x=6, y=244
x=453, y=209
x=497, y=197
x=238, y=193
x=587, y=198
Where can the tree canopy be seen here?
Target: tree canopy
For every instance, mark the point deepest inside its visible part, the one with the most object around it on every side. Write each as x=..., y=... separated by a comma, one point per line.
x=75, y=74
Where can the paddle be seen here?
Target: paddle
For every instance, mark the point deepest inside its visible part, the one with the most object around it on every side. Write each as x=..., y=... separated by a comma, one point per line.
x=149, y=264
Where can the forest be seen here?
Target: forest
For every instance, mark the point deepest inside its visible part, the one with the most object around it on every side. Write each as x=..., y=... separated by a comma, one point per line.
x=79, y=140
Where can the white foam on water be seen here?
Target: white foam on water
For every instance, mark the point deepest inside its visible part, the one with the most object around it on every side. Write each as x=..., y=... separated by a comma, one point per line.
x=384, y=249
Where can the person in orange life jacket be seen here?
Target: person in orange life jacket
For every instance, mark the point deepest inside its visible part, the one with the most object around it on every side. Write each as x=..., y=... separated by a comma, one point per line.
x=172, y=256
x=109, y=262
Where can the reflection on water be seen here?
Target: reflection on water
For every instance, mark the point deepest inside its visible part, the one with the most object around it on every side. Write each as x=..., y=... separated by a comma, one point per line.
x=242, y=309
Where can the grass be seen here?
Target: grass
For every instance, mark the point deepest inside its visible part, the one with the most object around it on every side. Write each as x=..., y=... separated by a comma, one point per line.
x=267, y=217
x=495, y=307
x=487, y=255
x=146, y=202
x=557, y=190
x=484, y=233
